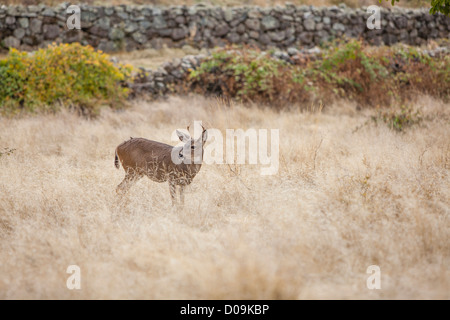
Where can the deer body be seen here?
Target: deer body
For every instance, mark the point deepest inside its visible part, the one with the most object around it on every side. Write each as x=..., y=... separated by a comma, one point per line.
x=142, y=157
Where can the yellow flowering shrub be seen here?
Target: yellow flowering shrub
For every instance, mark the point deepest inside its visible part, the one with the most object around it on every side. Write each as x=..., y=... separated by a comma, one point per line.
x=67, y=74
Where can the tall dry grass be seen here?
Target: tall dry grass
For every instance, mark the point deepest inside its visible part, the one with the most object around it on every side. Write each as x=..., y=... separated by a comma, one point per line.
x=343, y=199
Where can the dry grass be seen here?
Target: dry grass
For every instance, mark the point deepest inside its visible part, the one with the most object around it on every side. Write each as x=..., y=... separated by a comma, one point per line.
x=342, y=200
x=154, y=58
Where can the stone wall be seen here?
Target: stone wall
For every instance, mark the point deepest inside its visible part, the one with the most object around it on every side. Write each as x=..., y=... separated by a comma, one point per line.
x=127, y=27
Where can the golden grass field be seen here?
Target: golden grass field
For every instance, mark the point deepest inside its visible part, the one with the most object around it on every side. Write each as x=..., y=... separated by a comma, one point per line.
x=343, y=200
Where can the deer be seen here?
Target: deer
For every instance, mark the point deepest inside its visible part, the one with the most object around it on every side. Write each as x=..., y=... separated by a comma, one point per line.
x=161, y=162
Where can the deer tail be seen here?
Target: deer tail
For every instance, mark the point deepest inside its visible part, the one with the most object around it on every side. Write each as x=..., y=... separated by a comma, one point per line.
x=116, y=161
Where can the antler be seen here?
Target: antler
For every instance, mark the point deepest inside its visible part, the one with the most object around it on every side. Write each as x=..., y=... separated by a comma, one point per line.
x=201, y=125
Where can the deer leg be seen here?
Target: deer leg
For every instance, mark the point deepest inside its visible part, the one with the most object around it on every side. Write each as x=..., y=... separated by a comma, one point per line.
x=127, y=182
x=182, y=194
x=173, y=192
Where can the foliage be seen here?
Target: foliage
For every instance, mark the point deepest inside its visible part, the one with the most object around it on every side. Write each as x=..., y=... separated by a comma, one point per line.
x=250, y=76
x=350, y=72
x=442, y=6
x=68, y=74
x=345, y=69
x=398, y=119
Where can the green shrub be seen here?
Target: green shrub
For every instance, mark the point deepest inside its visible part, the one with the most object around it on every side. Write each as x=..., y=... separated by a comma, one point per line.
x=398, y=119
x=419, y=73
x=348, y=71
x=371, y=76
x=250, y=75
x=66, y=74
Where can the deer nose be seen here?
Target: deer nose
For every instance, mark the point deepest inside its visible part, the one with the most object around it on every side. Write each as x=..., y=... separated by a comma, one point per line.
x=180, y=155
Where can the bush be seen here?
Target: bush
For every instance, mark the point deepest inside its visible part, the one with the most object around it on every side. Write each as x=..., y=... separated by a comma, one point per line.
x=347, y=71
x=373, y=77
x=250, y=76
x=416, y=72
x=398, y=119
x=66, y=74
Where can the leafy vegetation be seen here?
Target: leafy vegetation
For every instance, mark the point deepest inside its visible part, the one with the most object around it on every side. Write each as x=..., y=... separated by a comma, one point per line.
x=65, y=74
x=398, y=119
x=442, y=6
x=348, y=71
x=371, y=76
x=250, y=76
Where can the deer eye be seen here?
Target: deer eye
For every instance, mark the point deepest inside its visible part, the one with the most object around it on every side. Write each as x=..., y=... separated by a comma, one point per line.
x=192, y=148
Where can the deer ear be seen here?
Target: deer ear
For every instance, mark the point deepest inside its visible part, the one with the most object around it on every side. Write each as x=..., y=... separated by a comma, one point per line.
x=182, y=136
x=204, y=136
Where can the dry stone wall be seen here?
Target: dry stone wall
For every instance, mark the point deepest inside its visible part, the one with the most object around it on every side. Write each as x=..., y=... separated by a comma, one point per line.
x=127, y=27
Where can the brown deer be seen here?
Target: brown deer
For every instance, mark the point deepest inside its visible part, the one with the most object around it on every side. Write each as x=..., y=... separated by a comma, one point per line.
x=161, y=162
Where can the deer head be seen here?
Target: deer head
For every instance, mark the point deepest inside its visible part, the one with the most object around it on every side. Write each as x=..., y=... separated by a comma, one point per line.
x=191, y=152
